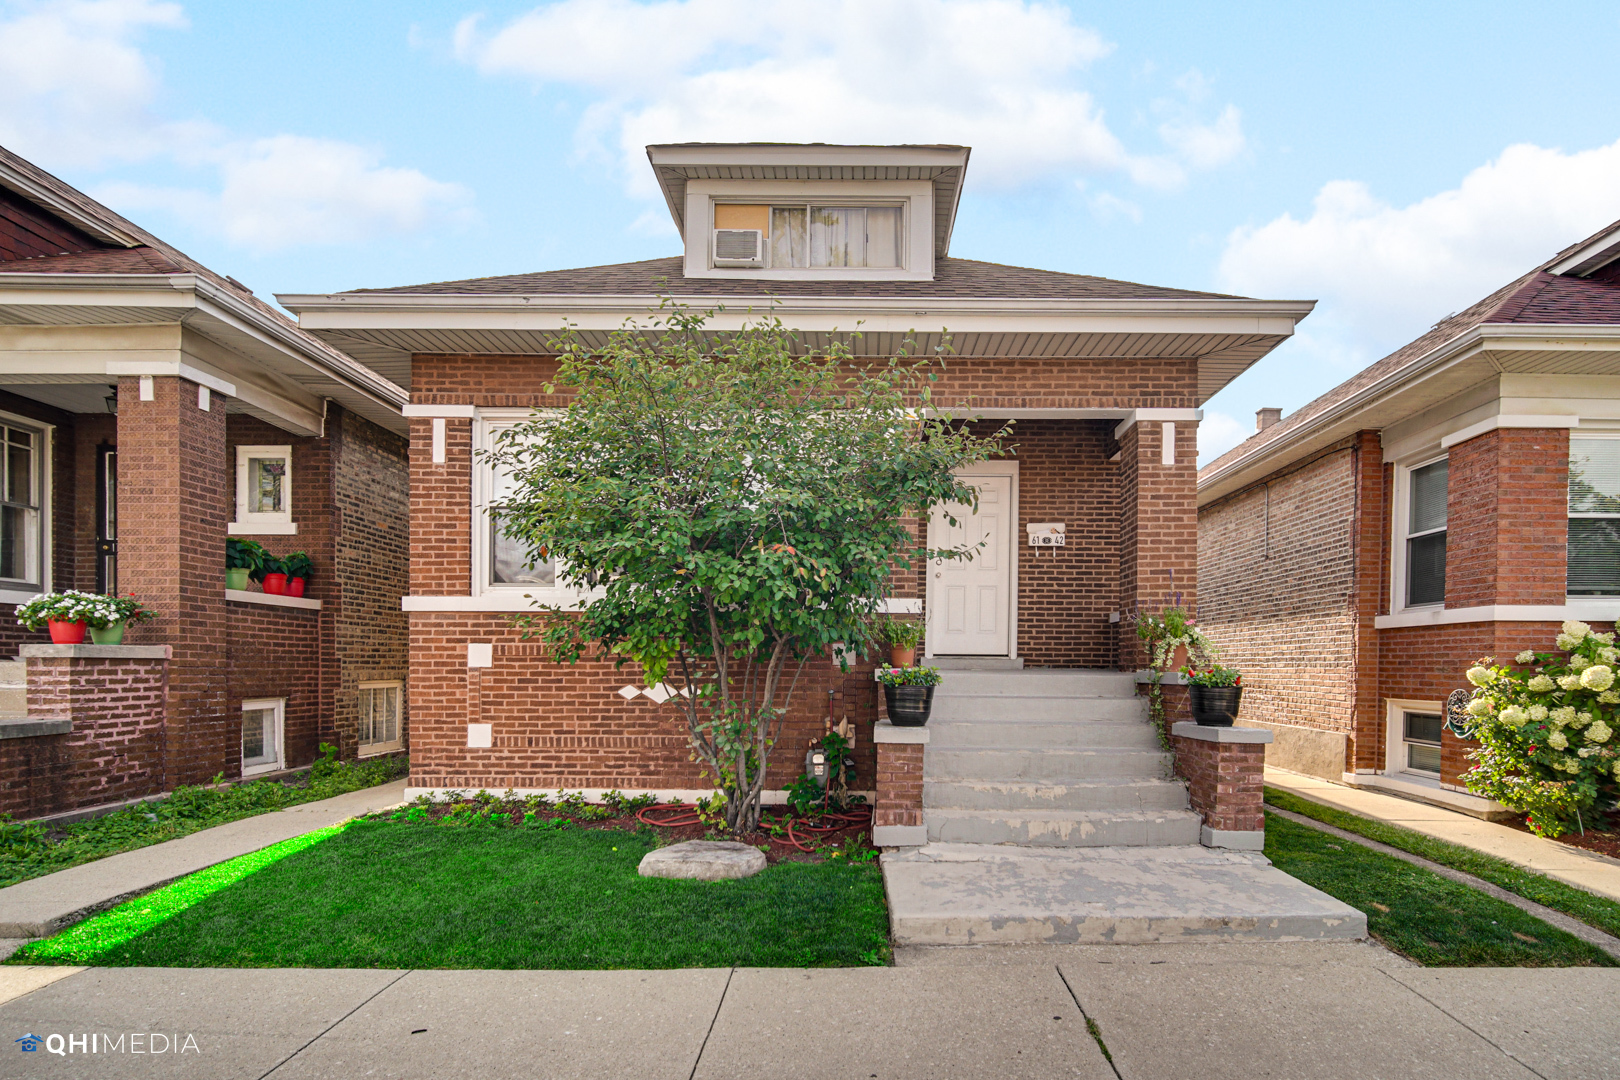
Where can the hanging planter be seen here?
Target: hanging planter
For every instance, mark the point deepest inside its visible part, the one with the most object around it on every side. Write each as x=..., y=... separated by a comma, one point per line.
x=909, y=694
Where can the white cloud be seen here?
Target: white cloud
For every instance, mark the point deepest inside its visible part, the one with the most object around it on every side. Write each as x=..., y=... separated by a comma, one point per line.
x=1384, y=273
x=1107, y=207
x=1206, y=146
x=999, y=75
x=1218, y=433
x=79, y=91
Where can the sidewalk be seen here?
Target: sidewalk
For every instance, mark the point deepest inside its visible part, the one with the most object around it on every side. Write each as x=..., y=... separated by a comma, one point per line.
x=44, y=905
x=1582, y=869
x=1324, y=1011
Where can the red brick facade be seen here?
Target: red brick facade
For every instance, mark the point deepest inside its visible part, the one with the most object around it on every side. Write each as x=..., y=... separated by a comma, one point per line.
x=899, y=785
x=1225, y=782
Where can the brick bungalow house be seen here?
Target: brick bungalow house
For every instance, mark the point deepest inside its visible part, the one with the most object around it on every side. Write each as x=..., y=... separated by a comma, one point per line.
x=1456, y=499
x=143, y=398
x=1104, y=377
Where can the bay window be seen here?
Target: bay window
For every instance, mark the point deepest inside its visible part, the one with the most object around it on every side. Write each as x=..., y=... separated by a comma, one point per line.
x=1594, y=516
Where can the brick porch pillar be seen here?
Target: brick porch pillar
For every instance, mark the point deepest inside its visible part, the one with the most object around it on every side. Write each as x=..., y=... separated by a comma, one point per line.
x=1158, y=550
x=897, y=815
x=171, y=555
x=1225, y=772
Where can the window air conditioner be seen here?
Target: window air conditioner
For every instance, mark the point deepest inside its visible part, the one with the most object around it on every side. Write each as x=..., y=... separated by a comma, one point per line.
x=739, y=247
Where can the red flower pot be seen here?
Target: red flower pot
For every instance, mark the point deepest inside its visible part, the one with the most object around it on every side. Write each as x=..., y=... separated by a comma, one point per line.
x=66, y=633
x=295, y=586
x=275, y=584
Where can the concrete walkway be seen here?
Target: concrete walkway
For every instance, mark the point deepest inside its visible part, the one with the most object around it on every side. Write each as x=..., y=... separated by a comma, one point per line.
x=44, y=905
x=1325, y=1011
x=1583, y=869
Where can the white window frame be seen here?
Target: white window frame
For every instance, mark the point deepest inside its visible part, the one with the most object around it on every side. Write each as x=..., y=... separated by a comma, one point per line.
x=12, y=590
x=486, y=426
x=1585, y=514
x=371, y=749
x=809, y=204
x=1395, y=738
x=1400, y=521
x=278, y=524
x=280, y=762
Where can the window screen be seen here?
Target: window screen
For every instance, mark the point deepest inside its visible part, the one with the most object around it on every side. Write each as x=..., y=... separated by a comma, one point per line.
x=1426, y=535
x=1594, y=517
x=1422, y=739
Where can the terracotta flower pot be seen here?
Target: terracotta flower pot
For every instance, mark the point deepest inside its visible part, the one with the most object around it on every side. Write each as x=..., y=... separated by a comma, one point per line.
x=275, y=584
x=1178, y=659
x=66, y=633
x=295, y=586
x=902, y=655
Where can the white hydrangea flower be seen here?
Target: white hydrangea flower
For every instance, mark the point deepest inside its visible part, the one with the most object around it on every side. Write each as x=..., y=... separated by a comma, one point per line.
x=1570, y=681
x=1609, y=655
x=1576, y=629
x=1479, y=707
x=1479, y=676
x=1538, y=713
x=1604, y=639
x=1558, y=740
x=1579, y=663
x=1513, y=716
x=1586, y=751
x=1617, y=770
x=1565, y=642
x=1610, y=697
x=1598, y=677
x=1541, y=684
x=1563, y=716
x=1598, y=732
x=1526, y=657
x=1581, y=720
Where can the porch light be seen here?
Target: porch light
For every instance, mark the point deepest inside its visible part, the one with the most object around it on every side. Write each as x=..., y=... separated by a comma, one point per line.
x=112, y=400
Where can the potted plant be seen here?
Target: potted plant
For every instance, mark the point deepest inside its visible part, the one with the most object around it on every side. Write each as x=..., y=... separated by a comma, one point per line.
x=63, y=613
x=902, y=637
x=111, y=614
x=300, y=568
x=909, y=693
x=274, y=580
x=244, y=559
x=1216, y=693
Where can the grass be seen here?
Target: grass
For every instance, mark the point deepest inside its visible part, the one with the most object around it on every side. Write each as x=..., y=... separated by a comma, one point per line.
x=1418, y=913
x=28, y=849
x=415, y=895
x=1591, y=909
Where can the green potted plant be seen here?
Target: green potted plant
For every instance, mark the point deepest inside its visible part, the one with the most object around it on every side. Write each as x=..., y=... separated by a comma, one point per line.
x=300, y=568
x=274, y=580
x=902, y=636
x=1216, y=693
x=909, y=693
x=111, y=614
x=244, y=559
x=63, y=613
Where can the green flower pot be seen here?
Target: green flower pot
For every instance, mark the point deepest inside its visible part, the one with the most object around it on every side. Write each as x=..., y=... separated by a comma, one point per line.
x=236, y=578
x=112, y=635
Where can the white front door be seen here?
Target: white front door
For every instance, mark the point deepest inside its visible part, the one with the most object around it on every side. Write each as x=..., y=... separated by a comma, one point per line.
x=970, y=600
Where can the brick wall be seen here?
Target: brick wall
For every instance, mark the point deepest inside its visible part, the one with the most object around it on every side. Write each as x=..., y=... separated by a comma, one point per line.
x=899, y=785
x=1158, y=528
x=275, y=652
x=1506, y=501
x=115, y=750
x=1225, y=782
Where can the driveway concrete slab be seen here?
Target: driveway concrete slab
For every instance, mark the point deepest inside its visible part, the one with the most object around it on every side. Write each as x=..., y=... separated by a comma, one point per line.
x=1223, y=1020
x=1583, y=869
x=521, y=1025
x=965, y=894
x=242, y=1021
x=900, y=1024
x=44, y=905
x=1562, y=1022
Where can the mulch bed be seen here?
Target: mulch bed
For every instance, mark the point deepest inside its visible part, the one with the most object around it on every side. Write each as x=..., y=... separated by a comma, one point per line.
x=1604, y=841
x=822, y=834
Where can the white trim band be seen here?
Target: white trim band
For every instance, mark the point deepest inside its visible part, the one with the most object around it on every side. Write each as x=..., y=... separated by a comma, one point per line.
x=1193, y=415
x=1589, y=611
x=440, y=412
x=1491, y=423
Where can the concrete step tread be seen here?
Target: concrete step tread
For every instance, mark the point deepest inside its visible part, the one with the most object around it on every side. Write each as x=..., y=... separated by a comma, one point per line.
x=1060, y=828
x=1063, y=815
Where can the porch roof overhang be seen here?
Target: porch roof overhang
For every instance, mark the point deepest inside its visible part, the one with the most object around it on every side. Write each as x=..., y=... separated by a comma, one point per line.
x=264, y=365
x=1479, y=354
x=1225, y=336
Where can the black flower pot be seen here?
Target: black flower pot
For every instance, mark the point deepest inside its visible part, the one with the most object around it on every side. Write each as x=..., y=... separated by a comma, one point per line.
x=909, y=706
x=1216, y=706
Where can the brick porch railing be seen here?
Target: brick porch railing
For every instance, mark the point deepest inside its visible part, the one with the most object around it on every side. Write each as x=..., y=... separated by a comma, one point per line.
x=897, y=813
x=1225, y=772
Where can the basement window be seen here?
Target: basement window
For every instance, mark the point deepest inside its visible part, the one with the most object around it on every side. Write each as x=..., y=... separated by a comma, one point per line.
x=1594, y=517
x=262, y=723
x=1420, y=739
x=380, y=717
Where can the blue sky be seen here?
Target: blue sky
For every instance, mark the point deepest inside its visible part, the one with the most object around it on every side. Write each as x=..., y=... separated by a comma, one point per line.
x=1394, y=161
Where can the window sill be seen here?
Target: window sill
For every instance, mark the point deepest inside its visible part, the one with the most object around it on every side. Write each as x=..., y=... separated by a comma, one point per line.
x=1586, y=609
x=243, y=596
x=18, y=596
x=262, y=528
x=378, y=749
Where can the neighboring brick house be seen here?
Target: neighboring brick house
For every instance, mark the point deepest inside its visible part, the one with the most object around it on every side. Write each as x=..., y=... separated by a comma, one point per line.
x=138, y=390
x=1457, y=499
x=1105, y=379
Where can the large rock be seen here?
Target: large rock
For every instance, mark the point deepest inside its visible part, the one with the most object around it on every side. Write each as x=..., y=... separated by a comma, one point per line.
x=705, y=860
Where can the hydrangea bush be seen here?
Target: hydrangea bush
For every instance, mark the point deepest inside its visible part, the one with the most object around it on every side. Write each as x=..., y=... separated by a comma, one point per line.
x=1546, y=730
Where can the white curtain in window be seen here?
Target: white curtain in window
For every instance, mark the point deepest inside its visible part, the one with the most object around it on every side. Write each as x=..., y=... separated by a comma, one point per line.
x=790, y=245
x=883, y=236
x=838, y=236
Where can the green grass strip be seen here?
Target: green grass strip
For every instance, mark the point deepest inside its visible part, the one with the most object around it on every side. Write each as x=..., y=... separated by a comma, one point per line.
x=1419, y=914
x=1593, y=910
x=84, y=942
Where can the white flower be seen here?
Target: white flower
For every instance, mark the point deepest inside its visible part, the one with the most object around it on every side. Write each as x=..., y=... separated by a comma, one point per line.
x=1598, y=677
x=1609, y=655
x=1570, y=681
x=1586, y=751
x=1558, y=740
x=1598, y=732
x=1540, y=684
x=1576, y=629
x=1513, y=716
x=1581, y=720
x=1479, y=676
x=1565, y=642
x=1579, y=663
x=1604, y=639
x=1563, y=716
x=1538, y=713
x=1526, y=657
x=1479, y=707
x=1617, y=770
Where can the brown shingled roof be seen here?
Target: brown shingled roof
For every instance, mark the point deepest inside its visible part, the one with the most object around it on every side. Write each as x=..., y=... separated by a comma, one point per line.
x=966, y=278
x=137, y=260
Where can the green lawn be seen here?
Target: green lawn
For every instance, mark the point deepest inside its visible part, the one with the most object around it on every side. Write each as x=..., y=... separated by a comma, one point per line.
x=409, y=895
x=1598, y=911
x=1418, y=913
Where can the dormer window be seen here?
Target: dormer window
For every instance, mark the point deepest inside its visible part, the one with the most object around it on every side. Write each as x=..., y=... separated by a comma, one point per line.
x=783, y=236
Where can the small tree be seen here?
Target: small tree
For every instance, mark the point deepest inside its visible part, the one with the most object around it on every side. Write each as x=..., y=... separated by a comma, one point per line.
x=735, y=507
